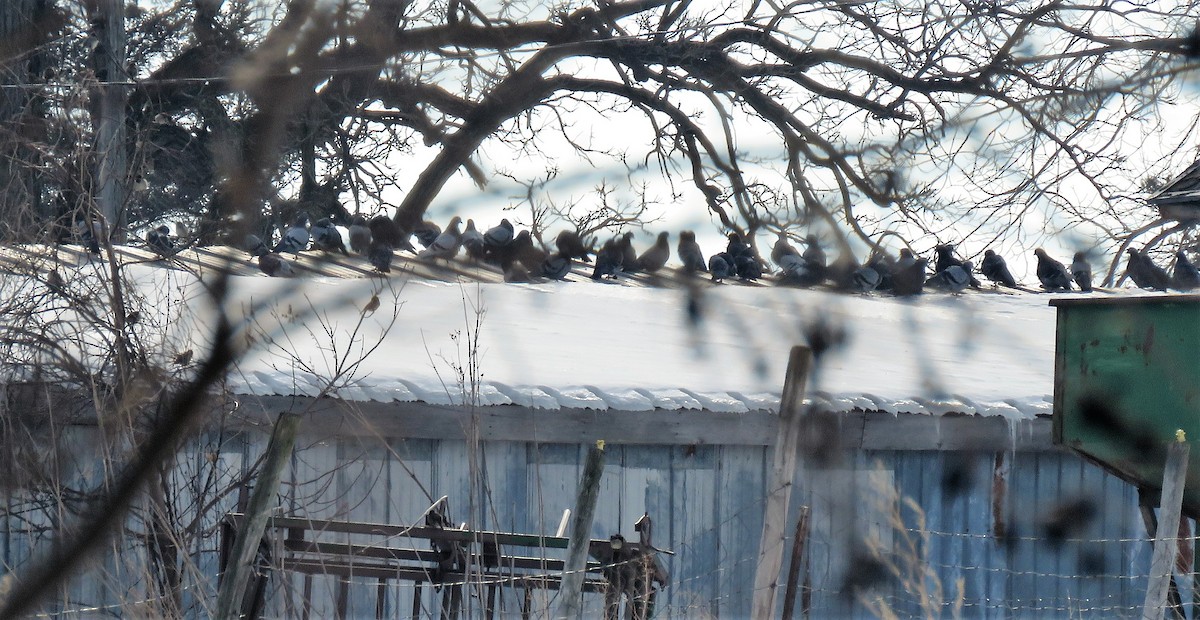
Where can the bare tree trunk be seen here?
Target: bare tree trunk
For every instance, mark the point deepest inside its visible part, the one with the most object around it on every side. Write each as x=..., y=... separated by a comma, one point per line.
x=108, y=19
x=23, y=28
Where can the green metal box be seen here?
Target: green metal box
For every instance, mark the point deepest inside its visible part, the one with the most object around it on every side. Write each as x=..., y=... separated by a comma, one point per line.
x=1126, y=377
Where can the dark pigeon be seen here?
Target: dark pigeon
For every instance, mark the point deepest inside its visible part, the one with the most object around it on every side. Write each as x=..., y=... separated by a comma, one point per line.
x=1051, y=273
x=1081, y=271
x=815, y=257
x=629, y=259
x=159, y=241
x=656, y=257
x=608, y=260
x=995, y=269
x=884, y=265
x=556, y=266
x=89, y=235
x=1144, y=273
x=748, y=267
x=426, y=233
x=797, y=271
x=385, y=230
x=380, y=254
x=295, y=238
x=866, y=279
x=782, y=248
x=945, y=257
x=570, y=245
x=275, y=266
x=360, y=235
x=326, y=237
x=909, y=277
x=721, y=266
x=255, y=246
x=954, y=279
x=1186, y=276
x=689, y=253
x=736, y=247
x=447, y=244
x=472, y=242
x=499, y=235
x=528, y=254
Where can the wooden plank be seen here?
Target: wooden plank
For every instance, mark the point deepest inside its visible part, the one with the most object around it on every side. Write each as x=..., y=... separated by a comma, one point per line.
x=571, y=600
x=1165, y=541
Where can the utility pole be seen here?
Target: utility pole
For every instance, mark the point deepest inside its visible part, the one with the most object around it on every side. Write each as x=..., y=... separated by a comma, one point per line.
x=108, y=29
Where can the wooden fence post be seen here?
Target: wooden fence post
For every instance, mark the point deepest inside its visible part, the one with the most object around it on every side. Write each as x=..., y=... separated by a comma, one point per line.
x=793, y=578
x=1165, y=535
x=571, y=589
x=779, y=484
x=237, y=573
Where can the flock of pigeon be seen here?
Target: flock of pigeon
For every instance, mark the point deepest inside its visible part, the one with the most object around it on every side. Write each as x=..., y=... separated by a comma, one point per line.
x=523, y=260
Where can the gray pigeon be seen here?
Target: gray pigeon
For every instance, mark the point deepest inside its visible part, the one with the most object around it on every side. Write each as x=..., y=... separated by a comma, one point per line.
x=380, y=254
x=656, y=257
x=556, y=266
x=426, y=233
x=608, y=259
x=1186, y=277
x=1081, y=271
x=909, y=277
x=325, y=237
x=689, y=253
x=472, y=242
x=798, y=271
x=866, y=279
x=255, y=246
x=1051, y=273
x=629, y=259
x=447, y=244
x=295, y=238
x=782, y=248
x=1144, y=273
x=721, y=266
x=953, y=279
x=159, y=241
x=360, y=235
x=499, y=236
x=275, y=266
x=995, y=269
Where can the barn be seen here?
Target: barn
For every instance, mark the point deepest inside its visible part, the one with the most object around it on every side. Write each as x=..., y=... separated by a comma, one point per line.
x=928, y=479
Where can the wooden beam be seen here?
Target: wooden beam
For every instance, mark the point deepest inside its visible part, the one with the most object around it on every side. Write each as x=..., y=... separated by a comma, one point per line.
x=1165, y=536
x=571, y=598
x=779, y=483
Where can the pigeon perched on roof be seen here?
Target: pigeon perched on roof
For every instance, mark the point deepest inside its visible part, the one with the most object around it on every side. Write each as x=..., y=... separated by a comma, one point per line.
x=426, y=233
x=953, y=279
x=516, y=273
x=884, y=265
x=1144, y=273
x=556, y=266
x=385, y=230
x=89, y=235
x=447, y=244
x=909, y=276
x=736, y=246
x=689, y=253
x=255, y=246
x=608, y=260
x=796, y=270
x=295, y=238
x=1186, y=276
x=629, y=261
x=1081, y=271
x=472, y=242
x=748, y=267
x=379, y=253
x=866, y=279
x=159, y=241
x=721, y=266
x=571, y=246
x=275, y=266
x=945, y=257
x=527, y=253
x=782, y=248
x=657, y=255
x=360, y=234
x=327, y=238
x=1051, y=273
x=499, y=235
x=815, y=256
x=995, y=269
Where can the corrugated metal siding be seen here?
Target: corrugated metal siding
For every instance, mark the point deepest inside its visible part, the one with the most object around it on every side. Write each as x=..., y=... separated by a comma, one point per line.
x=706, y=502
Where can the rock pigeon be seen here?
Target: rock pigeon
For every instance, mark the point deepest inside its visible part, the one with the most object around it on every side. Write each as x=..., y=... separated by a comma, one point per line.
x=945, y=257
x=447, y=244
x=89, y=235
x=255, y=246
x=275, y=265
x=736, y=247
x=866, y=279
x=472, y=242
x=360, y=234
x=498, y=236
x=796, y=271
x=1144, y=273
x=815, y=257
x=608, y=259
x=721, y=266
x=995, y=269
x=953, y=279
x=295, y=238
x=528, y=254
x=1051, y=273
x=385, y=230
x=883, y=264
x=380, y=254
x=517, y=273
x=556, y=266
x=159, y=241
x=689, y=253
x=571, y=246
x=1081, y=271
x=1186, y=276
x=909, y=277
x=426, y=233
x=747, y=267
x=782, y=248
x=327, y=238
x=629, y=259
x=656, y=257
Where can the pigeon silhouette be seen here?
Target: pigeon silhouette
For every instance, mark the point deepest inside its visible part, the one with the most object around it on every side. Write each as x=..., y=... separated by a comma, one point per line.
x=255, y=246
x=884, y=265
x=815, y=257
x=689, y=253
x=528, y=254
x=556, y=266
x=945, y=257
x=570, y=245
x=1144, y=273
x=1186, y=276
x=629, y=261
x=995, y=269
x=379, y=253
x=721, y=266
x=159, y=241
x=472, y=242
x=656, y=257
x=866, y=279
x=797, y=271
x=1081, y=272
x=89, y=235
x=327, y=238
x=748, y=267
x=360, y=234
x=909, y=277
x=426, y=233
x=446, y=245
x=275, y=266
x=1051, y=273
x=953, y=279
x=295, y=238
x=385, y=230
x=499, y=235
x=608, y=260
x=782, y=248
